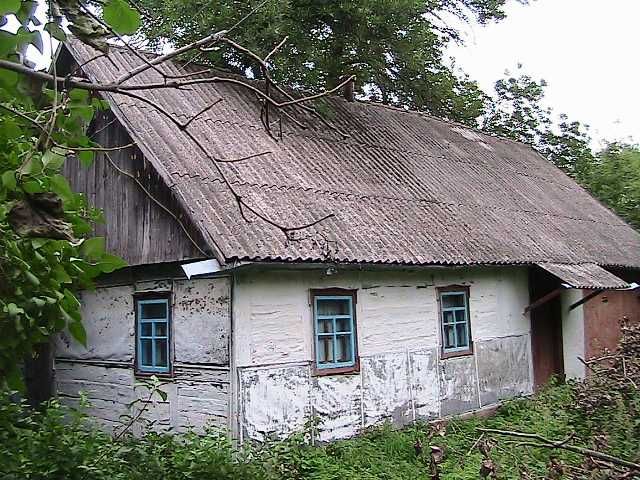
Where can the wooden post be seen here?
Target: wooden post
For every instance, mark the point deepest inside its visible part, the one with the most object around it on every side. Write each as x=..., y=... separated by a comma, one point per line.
x=38, y=374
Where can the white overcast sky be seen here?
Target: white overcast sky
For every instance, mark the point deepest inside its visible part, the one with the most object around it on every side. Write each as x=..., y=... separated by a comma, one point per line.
x=587, y=50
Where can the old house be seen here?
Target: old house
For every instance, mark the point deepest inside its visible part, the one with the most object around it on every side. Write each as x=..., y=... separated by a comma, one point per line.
x=454, y=270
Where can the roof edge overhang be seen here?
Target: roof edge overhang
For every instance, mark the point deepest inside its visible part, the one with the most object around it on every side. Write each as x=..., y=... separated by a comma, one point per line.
x=584, y=276
x=598, y=270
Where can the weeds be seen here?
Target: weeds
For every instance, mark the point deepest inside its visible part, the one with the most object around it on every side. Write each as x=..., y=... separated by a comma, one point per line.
x=601, y=414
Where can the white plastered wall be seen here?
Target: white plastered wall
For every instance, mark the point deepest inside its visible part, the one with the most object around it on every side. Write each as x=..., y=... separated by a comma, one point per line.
x=572, y=334
x=402, y=377
x=198, y=391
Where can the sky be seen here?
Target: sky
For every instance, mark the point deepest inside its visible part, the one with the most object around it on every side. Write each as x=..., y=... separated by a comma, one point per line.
x=587, y=51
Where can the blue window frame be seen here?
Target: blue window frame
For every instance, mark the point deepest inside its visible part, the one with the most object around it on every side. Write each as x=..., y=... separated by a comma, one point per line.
x=335, y=334
x=456, y=331
x=153, y=333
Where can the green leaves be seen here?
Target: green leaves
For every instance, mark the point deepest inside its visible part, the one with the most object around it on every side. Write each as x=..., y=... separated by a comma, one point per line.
x=9, y=180
x=9, y=6
x=78, y=332
x=39, y=276
x=111, y=263
x=8, y=78
x=121, y=17
x=55, y=31
x=52, y=160
x=93, y=248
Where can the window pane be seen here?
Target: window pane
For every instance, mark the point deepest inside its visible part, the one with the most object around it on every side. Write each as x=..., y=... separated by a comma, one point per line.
x=161, y=353
x=449, y=337
x=343, y=348
x=343, y=325
x=461, y=316
x=448, y=317
x=145, y=352
x=145, y=329
x=333, y=307
x=462, y=335
x=153, y=310
x=325, y=326
x=161, y=329
x=325, y=349
x=452, y=300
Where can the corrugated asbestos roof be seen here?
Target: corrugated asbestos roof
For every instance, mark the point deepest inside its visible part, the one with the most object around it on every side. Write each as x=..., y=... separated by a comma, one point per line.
x=405, y=188
x=584, y=275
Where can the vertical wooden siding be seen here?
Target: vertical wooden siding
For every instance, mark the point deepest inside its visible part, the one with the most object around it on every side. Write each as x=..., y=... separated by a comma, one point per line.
x=135, y=227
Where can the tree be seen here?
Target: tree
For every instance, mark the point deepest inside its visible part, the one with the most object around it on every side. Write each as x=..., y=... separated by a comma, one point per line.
x=614, y=178
x=393, y=47
x=517, y=111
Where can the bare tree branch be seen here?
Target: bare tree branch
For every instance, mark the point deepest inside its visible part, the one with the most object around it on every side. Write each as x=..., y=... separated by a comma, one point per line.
x=546, y=443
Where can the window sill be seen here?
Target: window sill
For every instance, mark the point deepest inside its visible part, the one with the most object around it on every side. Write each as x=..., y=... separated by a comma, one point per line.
x=461, y=353
x=165, y=375
x=324, y=372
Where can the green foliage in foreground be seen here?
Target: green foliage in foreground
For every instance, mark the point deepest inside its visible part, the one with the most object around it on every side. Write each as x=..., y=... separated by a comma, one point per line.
x=46, y=256
x=56, y=443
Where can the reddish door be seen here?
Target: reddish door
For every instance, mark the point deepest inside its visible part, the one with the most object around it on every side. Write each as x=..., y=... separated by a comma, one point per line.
x=546, y=329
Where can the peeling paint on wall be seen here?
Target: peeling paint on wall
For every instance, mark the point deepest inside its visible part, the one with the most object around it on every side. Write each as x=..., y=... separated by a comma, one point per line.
x=401, y=376
x=425, y=384
x=503, y=368
x=193, y=399
x=458, y=385
x=201, y=313
x=198, y=391
x=275, y=401
x=386, y=392
x=109, y=322
x=337, y=402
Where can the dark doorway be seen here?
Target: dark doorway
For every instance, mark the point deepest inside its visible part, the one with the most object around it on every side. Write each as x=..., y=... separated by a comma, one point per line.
x=546, y=328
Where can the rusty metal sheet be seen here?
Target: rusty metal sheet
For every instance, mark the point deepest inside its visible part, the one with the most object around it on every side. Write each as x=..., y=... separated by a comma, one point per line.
x=404, y=187
x=584, y=275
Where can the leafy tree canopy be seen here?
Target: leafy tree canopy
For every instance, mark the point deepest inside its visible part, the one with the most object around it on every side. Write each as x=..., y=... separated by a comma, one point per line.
x=614, y=178
x=394, y=47
x=517, y=111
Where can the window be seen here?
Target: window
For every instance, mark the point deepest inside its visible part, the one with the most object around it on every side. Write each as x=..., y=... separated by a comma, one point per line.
x=153, y=347
x=335, y=331
x=456, y=331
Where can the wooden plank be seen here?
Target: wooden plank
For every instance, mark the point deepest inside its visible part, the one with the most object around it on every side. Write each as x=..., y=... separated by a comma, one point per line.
x=544, y=299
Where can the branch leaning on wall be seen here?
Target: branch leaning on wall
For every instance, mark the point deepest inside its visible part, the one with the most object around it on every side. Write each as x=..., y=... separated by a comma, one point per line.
x=182, y=82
